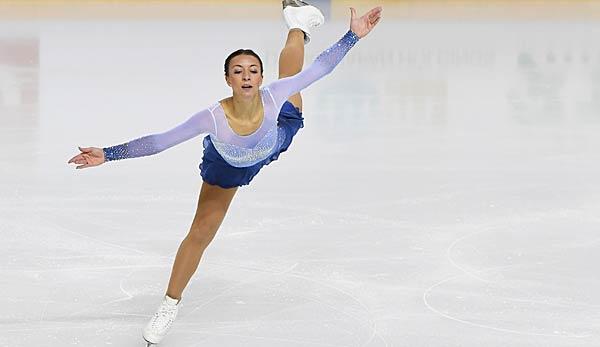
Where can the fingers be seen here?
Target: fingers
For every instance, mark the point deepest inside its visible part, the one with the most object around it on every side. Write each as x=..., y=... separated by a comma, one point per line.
x=372, y=17
x=80, y=161
x=75, y=159
x=352, y=13
x=79, y=158
x=86, y=161
x=374, y=23
x=82, y=158
x=374, y=14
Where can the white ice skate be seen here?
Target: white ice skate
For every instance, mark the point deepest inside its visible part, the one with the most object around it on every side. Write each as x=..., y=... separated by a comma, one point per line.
x=161, y=322
x=301, y=15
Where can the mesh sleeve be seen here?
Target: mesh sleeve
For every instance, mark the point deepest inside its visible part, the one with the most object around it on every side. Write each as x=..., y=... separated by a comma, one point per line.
x=323, y=64
x=199, y=123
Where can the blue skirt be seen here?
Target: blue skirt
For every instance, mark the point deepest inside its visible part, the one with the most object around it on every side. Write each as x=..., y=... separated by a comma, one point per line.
x=216, y=171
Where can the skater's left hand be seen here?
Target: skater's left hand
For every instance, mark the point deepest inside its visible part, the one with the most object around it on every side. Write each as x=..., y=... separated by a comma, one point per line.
x=363, y=25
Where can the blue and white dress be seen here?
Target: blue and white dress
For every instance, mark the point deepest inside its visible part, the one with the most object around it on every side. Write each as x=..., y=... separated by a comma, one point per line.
x=232, y=160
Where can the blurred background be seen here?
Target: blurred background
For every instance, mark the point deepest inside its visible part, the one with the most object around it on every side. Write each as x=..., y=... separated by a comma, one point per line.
x=443, y=192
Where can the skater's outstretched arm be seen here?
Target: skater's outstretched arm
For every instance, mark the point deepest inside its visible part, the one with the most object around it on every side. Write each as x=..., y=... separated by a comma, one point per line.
x=323, y=64
x=200, y=123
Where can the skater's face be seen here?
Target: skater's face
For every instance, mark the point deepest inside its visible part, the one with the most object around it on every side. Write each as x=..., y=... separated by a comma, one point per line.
x=244, y=75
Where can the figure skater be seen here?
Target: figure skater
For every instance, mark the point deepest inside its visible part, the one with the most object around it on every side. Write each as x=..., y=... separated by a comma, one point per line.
x=246, y=131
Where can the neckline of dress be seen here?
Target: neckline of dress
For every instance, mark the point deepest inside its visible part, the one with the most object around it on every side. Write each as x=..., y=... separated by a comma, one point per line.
x=257, y=129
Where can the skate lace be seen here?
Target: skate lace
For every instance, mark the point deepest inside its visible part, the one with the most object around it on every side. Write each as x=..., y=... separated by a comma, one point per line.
x=164, y=317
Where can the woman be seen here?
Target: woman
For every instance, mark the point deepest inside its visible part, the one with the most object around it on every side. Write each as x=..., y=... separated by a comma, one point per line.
x=246, y=131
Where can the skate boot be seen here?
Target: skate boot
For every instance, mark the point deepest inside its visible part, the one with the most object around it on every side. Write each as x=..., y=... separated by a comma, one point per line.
x=301, y=15
x=162, y=320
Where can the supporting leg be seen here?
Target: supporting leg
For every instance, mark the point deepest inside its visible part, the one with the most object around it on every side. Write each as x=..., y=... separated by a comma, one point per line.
x=212, y=207
x=291, y=60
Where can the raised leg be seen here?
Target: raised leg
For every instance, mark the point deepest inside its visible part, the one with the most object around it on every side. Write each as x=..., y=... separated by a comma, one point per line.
x=291, y=60
x=212, y=207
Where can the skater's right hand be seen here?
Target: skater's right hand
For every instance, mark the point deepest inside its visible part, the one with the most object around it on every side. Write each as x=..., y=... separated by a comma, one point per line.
x=89, y=156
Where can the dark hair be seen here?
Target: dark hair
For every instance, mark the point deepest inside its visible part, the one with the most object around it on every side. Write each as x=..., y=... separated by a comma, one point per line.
x=242, y=52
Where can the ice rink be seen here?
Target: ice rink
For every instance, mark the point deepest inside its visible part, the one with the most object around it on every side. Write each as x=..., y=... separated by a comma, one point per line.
x=444, y=191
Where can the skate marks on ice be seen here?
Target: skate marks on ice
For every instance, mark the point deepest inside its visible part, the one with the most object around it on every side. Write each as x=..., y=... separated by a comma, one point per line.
x=54, y=259
x=352, y=318
x=336, y=303
x=522, y=297
x=293, y=297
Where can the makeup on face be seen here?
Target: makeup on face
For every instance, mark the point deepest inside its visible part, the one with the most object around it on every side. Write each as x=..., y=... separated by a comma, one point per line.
x=245, y=72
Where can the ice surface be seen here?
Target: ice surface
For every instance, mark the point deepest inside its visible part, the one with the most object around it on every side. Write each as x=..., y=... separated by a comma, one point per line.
x=444, y=190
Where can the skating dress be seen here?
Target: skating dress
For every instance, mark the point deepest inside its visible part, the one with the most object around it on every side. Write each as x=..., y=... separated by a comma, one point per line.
x=232, y=160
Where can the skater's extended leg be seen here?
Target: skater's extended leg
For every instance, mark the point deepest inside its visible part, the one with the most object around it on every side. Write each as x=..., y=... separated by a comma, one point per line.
x=212, y=207
x=291, y=60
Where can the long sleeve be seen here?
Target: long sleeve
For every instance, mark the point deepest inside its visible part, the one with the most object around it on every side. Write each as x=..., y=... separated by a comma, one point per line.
x=322, y=65
x=199, y=123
